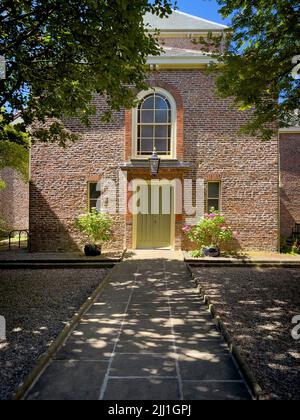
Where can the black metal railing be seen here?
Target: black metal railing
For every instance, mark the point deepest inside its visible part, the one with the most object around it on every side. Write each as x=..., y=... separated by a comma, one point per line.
x=19, y=233
x=296, y=232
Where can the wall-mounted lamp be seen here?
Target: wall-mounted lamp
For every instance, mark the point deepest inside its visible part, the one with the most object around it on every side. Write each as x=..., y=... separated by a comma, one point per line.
x=154, y=163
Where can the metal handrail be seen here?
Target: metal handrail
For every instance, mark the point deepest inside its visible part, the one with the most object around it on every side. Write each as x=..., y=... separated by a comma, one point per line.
x=20, y=232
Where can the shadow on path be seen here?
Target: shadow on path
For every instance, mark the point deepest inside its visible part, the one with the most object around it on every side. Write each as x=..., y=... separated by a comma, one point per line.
x=147, y=337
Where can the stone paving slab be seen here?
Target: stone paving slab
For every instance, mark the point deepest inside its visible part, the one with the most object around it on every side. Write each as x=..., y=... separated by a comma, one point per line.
x=147, y=337
x=145, y=345
x=140, y=365
x=140, y=389
x=87, y=350
x=214, y=391
x=195, y=349
x=70, y=380
x=110, y=310
x=208, y=367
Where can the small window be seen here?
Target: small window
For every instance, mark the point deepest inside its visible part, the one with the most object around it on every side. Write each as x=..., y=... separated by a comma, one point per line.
x=94, y=195
x=214, y=196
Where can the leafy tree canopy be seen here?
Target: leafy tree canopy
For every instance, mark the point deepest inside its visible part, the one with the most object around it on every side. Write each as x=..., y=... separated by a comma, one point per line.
x=14, y=147
x=259, y=63
x=59, y=53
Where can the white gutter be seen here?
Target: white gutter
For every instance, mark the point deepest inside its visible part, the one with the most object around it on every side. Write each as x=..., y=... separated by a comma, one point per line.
x=289, y=130
x=181, y=60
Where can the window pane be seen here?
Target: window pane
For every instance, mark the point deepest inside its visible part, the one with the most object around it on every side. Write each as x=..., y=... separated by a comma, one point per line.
x=161, y=131
x=148, y=103
x=147, y=131
x=214, y=204
x=154, y=125
x=162, y=117
x=94, y=194
x=161, y=145
x=161, y=102
x=213, y=190
x=93, y=204
x=147, y=146
x=147, y=117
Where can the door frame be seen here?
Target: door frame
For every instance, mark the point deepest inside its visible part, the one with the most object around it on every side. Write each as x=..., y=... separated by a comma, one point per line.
x=136, y=184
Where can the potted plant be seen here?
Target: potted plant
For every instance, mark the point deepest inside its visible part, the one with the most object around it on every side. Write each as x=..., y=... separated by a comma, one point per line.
x=97, y=229
x=210, y=234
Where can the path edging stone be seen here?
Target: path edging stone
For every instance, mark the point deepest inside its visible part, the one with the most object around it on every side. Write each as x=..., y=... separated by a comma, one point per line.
x=59, y=341
x=204, y=262
x=255, y=388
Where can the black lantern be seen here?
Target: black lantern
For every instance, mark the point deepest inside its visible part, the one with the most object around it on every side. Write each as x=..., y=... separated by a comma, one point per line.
x=154, y=162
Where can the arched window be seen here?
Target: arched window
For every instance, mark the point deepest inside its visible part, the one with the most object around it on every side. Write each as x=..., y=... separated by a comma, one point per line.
x=155, y=124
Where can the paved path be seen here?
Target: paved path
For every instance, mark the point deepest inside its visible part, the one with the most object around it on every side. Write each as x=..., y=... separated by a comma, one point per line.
x=148, y=337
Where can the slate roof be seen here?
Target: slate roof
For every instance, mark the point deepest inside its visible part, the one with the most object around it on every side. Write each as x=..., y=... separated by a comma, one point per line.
x=180, y=21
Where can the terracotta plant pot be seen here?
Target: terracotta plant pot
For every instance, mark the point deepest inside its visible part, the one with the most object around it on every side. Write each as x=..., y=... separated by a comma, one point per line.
x=212, y=251
x=92, y=250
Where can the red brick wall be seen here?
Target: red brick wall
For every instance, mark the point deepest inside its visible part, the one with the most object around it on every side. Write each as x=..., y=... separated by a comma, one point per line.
x=247, y=167
x=290, y=182
x=59, y=182
x=210, y=139
x=14, y=200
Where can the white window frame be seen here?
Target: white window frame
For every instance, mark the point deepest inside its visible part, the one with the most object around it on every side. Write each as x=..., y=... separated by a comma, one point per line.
x=208, y=198
x=89, y=195
x=172, y=101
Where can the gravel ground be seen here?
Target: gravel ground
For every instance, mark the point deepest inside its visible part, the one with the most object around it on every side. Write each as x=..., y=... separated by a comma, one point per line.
x=36, y=305
x=258, y=305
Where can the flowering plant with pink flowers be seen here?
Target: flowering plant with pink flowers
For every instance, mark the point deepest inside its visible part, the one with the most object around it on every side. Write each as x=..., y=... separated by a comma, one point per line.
x=212, y=231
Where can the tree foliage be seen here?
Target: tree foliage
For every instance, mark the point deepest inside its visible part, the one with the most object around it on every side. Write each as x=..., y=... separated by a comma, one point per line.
x=258, y=61
x=14, y=148
x=59, y=53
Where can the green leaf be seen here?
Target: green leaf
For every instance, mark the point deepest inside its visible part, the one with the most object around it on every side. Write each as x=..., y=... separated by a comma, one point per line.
x=60, y=53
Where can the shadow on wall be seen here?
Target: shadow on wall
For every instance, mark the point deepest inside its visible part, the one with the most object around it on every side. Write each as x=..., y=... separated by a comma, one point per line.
x=287, y=220
x=48, y=233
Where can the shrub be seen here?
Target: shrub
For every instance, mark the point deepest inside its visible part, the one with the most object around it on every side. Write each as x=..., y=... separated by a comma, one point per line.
x=97, y=227
x=212, y=231
x=289, y=247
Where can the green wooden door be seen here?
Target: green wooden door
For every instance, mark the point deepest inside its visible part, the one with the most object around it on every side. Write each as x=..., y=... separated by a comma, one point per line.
x=154, y=228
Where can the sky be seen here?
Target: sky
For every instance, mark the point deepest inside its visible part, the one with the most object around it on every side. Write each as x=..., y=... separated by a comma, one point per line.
x=207, y=9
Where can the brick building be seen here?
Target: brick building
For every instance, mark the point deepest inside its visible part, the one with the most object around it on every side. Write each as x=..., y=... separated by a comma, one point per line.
x=196, y=134
x=289, y=179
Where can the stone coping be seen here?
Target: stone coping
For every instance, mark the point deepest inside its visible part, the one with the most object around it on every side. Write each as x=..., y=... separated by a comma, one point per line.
x=137, y=164
x=255, y=259
x=23, y=256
